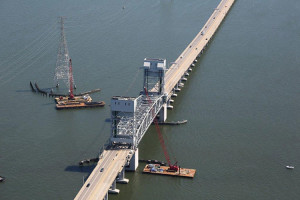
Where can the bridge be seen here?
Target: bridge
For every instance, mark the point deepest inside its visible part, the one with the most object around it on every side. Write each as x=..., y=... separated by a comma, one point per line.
x=132, y=116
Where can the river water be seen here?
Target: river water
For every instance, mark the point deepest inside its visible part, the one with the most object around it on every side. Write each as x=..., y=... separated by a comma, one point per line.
x=241, y=100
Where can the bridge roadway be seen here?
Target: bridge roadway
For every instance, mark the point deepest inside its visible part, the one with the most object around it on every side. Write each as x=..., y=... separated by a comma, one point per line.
x=114, y=160
x=97, y=185
x=196, y=47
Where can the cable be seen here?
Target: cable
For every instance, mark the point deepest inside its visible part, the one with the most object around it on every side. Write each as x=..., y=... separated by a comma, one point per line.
x=17, y=55
x=133, y=81
x=18, y=63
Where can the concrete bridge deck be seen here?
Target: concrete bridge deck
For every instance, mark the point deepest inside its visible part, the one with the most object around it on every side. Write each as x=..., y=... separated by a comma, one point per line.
x=196, y=47
x=97, y=185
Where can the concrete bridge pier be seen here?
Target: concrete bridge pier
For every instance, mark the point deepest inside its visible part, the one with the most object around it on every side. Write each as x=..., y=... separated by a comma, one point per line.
x=177, y=89
x=134, y=162
x=121, y=177
x=183, y=78
x=169, y=106
x=180, y=84
x=106, y=196
x=163, y=113
x=113, y=189
x=174, y=93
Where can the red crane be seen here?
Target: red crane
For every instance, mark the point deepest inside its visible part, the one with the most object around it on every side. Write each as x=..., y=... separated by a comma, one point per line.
x=173, y=167
x=71, y=79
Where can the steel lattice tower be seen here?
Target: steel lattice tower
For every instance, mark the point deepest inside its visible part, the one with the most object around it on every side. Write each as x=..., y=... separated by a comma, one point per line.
x=62, y=62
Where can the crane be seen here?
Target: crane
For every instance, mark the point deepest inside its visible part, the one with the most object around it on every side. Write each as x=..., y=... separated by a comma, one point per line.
x=71, y=79
x=173, y=167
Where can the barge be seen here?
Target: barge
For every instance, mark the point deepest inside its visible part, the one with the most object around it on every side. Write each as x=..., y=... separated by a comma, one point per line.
x=164, y=170
x=84, y=98
x=77, y=104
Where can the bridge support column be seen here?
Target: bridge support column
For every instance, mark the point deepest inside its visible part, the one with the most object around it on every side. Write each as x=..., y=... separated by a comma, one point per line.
x=134, y=162
x=106, y=196
x=163, y=113
x=177, y=89
x=173, y=93
x=113, y=189
x=169, y=106
x=180, y=83
x=121, y=177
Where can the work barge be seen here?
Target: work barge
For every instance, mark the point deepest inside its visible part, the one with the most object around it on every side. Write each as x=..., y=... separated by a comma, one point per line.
x=64, y=71
x=63, y=101
x=131, y=117
x=157, y=169
x=77, y=104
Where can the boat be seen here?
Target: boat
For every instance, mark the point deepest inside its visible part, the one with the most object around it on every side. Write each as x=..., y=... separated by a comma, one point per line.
x=289, y=167
x=173, y=123
x=2, y=179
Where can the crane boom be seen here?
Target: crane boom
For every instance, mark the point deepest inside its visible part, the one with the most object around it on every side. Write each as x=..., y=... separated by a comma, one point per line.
x=161, y=139
x=71, y=79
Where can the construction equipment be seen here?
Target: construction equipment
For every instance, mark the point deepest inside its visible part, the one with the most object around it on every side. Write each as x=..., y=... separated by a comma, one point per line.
x=63, y=58
x=174, y=167
x=71, y=79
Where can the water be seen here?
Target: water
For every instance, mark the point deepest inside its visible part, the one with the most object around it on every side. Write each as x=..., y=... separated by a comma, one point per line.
x=241, y=100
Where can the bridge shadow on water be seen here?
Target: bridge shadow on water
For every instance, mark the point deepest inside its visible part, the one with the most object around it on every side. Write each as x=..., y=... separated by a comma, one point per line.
x=80, y=169
x=108, y=120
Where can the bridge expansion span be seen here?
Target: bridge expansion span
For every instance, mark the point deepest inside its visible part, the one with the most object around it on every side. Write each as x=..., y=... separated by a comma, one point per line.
x=131, y=117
